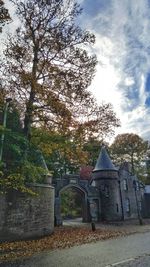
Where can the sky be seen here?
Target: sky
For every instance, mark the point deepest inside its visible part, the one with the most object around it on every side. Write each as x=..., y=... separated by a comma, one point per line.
x=122, y=30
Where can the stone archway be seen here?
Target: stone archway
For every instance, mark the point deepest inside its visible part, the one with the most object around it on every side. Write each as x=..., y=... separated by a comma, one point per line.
x=78, y=193
x=83, y=194
x=87, y=191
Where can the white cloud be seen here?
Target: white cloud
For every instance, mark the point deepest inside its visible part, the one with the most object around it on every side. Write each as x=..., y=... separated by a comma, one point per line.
x=9, y=28
x=129, y=81
x=123, y=50
x=136, y=121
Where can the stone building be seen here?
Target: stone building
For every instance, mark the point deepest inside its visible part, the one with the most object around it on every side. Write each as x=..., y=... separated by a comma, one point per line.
x=121, y=193
x=112, y=193
x=107, y=194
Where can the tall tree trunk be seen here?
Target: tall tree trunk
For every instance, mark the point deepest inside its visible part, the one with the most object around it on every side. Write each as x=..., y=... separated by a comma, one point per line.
x=29, y=109
x=28, y=117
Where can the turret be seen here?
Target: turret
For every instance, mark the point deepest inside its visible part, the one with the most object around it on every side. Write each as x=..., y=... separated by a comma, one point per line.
x=106, y=178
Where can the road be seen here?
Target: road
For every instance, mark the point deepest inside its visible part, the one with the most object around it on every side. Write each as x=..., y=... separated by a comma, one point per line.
x=132, y=250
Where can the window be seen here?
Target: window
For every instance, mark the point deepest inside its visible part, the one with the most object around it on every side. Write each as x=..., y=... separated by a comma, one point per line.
x=117, y=207
x=137, y=186
x=125, y=185
x=140, y=205
x=127, y=205
x=105, y=190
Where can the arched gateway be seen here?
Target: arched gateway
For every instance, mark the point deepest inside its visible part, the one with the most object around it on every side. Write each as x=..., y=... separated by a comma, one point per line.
x=89, y=196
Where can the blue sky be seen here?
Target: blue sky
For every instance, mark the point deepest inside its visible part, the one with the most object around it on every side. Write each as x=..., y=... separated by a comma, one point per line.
x=122, y=29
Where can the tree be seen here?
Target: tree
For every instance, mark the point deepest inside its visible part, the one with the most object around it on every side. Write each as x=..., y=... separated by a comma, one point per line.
x=4, y=15
x=92, y=147
x=63, y=154
x=20, y=162
x=147, y=166
x=71, y=203
x=129, y=147
x=48, y=70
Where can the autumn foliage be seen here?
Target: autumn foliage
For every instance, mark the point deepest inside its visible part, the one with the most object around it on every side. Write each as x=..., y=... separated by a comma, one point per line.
x=4, y=15
x=48, y=70
x=131, y=148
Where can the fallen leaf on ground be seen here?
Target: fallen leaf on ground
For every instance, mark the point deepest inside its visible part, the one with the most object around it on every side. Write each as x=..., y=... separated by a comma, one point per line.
x=61, y=238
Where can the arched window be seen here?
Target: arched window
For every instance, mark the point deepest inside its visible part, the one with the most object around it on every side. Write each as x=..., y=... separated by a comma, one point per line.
x=106, y=190
x=125, y=185
x=127, y=205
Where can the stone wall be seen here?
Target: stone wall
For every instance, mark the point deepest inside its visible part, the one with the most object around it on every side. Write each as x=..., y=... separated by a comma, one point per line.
x=110, y=200
x=134, y=197
x=23, y=216
x=146, y=205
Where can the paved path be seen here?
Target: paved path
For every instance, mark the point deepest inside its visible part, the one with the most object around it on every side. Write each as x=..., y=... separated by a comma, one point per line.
x=114, y=252
x=142, y=261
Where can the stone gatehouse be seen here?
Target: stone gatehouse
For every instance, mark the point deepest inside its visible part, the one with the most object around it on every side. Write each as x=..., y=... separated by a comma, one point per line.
x=112, y=194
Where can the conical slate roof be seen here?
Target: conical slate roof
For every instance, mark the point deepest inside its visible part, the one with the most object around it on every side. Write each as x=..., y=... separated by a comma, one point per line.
x=104, y=162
